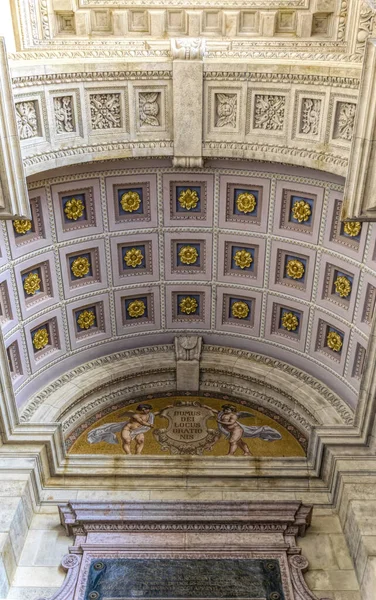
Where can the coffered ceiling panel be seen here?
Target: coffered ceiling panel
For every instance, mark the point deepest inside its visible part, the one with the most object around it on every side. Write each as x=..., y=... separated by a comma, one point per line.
x=124, y=255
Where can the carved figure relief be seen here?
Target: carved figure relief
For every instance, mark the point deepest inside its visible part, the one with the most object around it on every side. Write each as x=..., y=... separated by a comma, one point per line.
x=269, y=112
x=345, y=120
x=188, y=426
x=63, y=110
x=226, y=105
x=310, y=118
x=27, y=121
x=105, y=111
x=149, y=108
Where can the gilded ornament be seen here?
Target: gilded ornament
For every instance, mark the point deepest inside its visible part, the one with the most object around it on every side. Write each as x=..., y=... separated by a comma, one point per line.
x=133, y=258
x=130, y=201
x=352, y=228
x=40, y=339
x=22, y=226
x=188, y=255
x=290, y=321
x=32, y=283
x=86, y=319
x=243, y=259
x=74, y=209
x=188, y=199
x=136, y=308
x=342, y=286
x=246, y=202
x=295, y=269
x=240, y=310
x=188, y=305
x=80, y=267
x=334, y=341
x=301, y=211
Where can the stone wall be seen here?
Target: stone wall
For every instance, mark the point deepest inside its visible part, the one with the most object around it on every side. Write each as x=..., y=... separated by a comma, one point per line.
x=38, y=574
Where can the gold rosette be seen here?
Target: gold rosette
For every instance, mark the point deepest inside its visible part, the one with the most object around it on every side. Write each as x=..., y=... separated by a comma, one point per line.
x=133, y=258
x=22, y=226
x=352, y=228
x=301, y=211
x=80, y=267
x=130, y=201
x=188, y=305
x=188, y=255
x=188, y=199
x=74, y=209
x=342, y=286
x=240, y=310
x=86, y=319
x=290, y=321
x=32, y=284
x=295, y=269
x=243, y=259
x=40, y=339
x=246, y=202
x=136, y=308
x=334, y=341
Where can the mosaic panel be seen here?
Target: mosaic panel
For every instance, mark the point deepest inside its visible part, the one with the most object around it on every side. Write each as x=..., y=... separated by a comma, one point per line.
x=185, y=425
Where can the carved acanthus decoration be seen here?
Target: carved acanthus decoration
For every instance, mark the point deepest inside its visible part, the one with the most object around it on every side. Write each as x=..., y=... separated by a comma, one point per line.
x=149, y=108
x=63, y=110
x=226, y=110
x=27, y=121
x=105, y=111
x=345, y=120
x=310, y=116
x=188, y=48
x=269, y=112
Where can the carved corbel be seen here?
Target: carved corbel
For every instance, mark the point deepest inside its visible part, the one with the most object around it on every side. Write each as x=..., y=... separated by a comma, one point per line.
x=187, y=71
x=188, y=352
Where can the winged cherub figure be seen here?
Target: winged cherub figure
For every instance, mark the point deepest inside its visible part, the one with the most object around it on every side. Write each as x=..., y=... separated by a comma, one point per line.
x=234, y=431
x=140, y=422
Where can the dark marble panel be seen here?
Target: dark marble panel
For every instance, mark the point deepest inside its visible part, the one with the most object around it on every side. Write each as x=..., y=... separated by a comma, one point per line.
x=124, y=578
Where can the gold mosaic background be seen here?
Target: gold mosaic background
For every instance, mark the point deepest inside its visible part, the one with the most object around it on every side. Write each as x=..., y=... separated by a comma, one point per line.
x=287, y=446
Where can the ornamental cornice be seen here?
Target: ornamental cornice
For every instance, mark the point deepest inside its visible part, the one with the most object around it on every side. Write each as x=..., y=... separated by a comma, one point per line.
x=284, y=78
x=67, y=78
